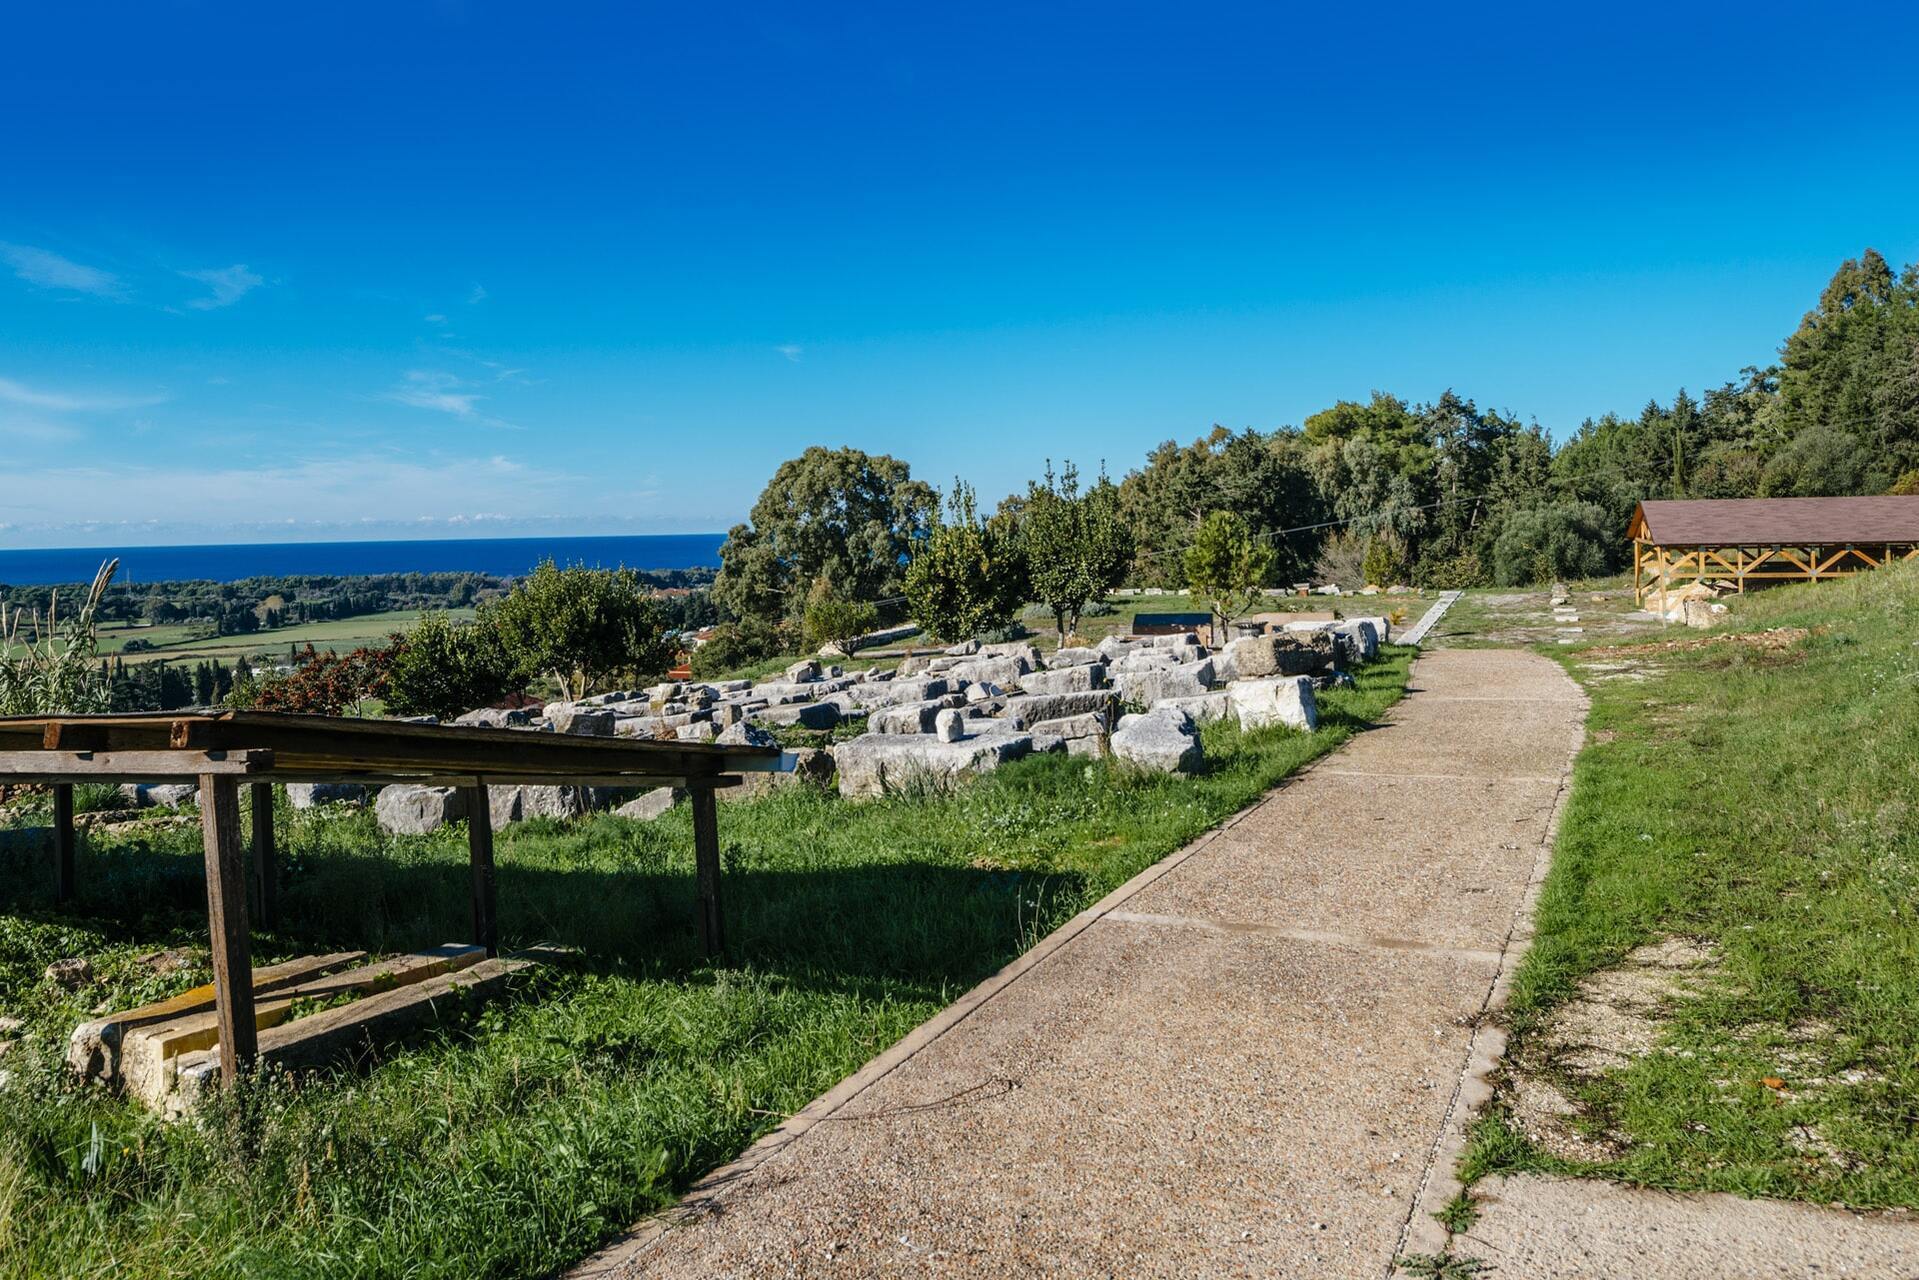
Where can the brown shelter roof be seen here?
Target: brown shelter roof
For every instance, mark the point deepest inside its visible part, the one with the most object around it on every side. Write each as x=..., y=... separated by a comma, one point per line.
x=1733, y=522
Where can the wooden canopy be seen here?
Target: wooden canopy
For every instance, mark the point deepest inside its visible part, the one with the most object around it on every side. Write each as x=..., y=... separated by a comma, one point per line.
x=219, y=751
x=1763, y=540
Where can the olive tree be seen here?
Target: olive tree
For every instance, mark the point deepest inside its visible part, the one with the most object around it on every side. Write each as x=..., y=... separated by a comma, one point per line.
x=1227, y=567
x=1077, y=547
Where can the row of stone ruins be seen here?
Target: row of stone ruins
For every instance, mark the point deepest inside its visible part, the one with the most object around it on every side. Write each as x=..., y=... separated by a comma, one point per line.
x=963, y=712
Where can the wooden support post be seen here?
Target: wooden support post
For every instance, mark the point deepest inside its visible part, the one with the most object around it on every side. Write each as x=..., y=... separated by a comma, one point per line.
x=479, y=843
x=266, y=859
x=227, y=916
x=706, y=867
x=63, y=842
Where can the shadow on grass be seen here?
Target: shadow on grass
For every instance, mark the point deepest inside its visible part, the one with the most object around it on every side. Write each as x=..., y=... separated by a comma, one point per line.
x=912, y=924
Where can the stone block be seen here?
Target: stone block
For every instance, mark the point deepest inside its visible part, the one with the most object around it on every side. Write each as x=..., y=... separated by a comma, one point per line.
x=1286, y=700
x=415, y=811
x=876, y=763
x=1080, y=679
x=1164, y=740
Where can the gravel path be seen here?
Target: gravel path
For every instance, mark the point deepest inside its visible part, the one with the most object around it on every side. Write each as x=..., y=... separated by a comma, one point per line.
x=1241, y=1063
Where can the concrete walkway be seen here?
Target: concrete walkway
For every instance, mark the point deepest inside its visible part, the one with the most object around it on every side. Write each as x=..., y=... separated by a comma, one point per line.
x=1239, y=1064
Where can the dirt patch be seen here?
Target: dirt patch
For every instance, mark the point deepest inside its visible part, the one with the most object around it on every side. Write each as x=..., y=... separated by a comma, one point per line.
x=1615, y=1017
x=1773, y=639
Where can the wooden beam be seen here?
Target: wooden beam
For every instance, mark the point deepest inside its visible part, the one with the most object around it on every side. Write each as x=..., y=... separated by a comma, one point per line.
x=227, y=921
x=706, y=869
x=266, y=858
x=63, y=842
x=132, y=764
x=479, y=843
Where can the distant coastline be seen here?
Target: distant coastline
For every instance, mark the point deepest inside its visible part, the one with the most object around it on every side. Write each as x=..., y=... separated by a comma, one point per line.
x=229, y=563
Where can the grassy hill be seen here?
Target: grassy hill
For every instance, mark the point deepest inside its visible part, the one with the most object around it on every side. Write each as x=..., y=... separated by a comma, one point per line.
x=1724, y=992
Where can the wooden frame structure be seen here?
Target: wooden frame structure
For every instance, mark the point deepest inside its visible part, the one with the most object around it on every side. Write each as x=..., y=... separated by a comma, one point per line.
x=221, y=753
x=1762, y=541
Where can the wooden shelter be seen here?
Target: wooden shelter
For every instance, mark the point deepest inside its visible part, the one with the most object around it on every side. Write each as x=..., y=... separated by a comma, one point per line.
x=221, y=752
x=1760, y=541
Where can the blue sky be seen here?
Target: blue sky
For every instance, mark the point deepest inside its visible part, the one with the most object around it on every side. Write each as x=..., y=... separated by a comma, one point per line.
x=450, y=269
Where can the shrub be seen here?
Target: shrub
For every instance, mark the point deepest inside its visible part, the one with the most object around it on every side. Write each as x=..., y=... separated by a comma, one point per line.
x=734, y=645
x=1564, y=540
x=967, y=577
x=445, y=668
x=1342, y=560
x=1227, y=566
x=53, y=671
x=583, y=626
x=832, y=618
x=1385, y=561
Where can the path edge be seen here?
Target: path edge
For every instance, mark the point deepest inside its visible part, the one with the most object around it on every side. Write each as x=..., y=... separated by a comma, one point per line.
x=1424, y=1233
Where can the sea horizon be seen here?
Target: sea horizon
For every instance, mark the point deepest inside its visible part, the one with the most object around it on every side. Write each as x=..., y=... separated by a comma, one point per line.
x=233, y=561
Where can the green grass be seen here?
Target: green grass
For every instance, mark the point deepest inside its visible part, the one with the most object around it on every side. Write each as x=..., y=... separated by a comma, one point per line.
x=521, y=1142
x=1763, y=801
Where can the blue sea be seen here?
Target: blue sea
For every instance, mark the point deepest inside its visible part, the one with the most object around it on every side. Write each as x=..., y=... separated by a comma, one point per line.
x=500, y=556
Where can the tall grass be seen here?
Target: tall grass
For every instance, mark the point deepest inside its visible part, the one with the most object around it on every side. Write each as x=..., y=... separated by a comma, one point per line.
x=519, y=1142
x=50, y=668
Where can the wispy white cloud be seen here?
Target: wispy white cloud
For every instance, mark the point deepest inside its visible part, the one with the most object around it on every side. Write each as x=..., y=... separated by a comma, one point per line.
x=436, y=318
x=431, y=389
x=791, y=350
x=49, y=270
x=66, y=402
x=476, y=296
x=229, y=285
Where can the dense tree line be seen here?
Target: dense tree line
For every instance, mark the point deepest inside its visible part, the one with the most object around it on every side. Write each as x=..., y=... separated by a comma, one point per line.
x=247, y=605
x=1442, y=493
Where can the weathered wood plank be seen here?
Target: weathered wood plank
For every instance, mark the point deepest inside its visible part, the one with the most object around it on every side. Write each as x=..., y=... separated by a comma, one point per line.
x=349, y=1031
x=266, y=858
x=479, y=842
x=93, y=1051
x=706, y=864
x=133, y=764
x=226, y=858
x=147, y=1050
x=63, y=842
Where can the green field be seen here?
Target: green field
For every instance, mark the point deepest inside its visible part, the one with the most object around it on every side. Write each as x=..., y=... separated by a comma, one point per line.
x=518, y=1144
x=188, y=641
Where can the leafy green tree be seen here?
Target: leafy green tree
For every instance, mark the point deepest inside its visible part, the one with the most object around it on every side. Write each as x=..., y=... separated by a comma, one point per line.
x=852, y=516
x=968, y=576
x=1077, y=547
x=1385, y=561
x=832, y=618
x=445, y=668
x=1820, y=462
x=582, y=626
x=1227, y=566
x=1266, y=478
